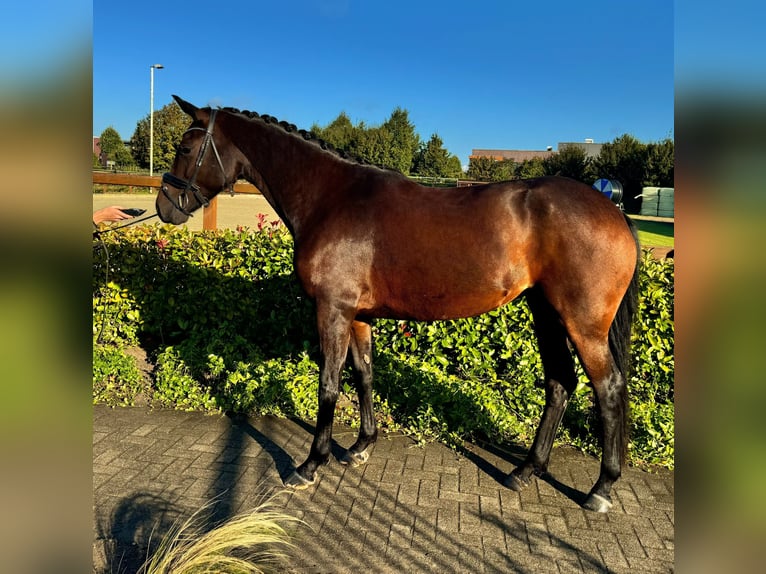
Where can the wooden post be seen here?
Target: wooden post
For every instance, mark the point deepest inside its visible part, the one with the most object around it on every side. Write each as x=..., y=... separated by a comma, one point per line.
x=210, y=215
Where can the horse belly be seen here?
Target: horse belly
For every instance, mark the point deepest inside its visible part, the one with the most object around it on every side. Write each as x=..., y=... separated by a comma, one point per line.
x=451, y=306
x=439, y=290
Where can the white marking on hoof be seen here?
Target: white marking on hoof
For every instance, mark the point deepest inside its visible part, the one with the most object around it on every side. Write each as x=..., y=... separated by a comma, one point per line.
x=515, y=483
x=355, y=459
x=297, y=482
x=597, y=503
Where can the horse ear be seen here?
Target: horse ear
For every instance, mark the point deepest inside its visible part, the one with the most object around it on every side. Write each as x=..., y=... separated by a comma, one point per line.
x=190, y=109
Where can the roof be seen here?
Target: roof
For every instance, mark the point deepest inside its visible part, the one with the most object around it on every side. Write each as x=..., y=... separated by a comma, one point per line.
x=591, y=148
x=517, y=155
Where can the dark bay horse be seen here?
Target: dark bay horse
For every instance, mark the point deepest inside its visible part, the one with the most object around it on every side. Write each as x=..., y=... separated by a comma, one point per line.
x=370, y=243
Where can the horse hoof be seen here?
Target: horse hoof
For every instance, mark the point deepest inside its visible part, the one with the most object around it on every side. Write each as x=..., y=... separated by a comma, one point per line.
x=297, y=482
x=597, y=503
x=515, y=483
x=355, y=459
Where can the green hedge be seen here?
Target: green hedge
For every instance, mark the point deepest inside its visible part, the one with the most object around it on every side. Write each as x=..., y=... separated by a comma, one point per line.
x=229, y=329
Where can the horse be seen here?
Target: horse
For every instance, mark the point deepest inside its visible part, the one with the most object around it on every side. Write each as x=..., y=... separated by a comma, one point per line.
x=467, y=250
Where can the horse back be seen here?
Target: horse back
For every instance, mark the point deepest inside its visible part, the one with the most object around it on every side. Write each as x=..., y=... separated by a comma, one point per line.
x=398, y=249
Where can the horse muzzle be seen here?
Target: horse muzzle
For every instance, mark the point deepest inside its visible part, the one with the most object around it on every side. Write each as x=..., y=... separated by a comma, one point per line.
x=172, y=209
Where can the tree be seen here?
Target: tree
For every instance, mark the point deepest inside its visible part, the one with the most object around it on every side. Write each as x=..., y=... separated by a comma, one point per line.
x=530, y=168
x=340, y=132
x=433, y=160
x=660, y=162
x=489, y=169
x=480, y=168
x=404, y=142
x=113, y=148
x=373, y=146
x=624, y=159
x=454, y=167
x=110, y=141
x=392, y=144
x=569, y=161
x=170, y=123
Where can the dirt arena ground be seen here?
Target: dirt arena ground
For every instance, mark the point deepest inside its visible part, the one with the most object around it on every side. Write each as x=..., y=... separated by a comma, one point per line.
x=242, y=209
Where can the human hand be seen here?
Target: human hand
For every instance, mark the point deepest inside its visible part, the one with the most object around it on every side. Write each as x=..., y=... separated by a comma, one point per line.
x=111, y=213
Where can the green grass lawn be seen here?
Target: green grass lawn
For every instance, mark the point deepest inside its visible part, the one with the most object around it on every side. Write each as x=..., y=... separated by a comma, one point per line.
x=655, y=233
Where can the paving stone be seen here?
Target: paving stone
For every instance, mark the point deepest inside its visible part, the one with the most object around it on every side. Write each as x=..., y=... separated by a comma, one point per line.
x=409, y=509
x=447, y=520
x=631, y=545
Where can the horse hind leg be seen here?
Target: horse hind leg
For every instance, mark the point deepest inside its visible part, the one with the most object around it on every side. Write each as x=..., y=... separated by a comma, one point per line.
x=603, y=345
x=610, y=390
x=560, y=383
x=361, y=356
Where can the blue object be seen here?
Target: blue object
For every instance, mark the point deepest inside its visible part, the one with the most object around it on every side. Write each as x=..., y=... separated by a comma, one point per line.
x=611, y=188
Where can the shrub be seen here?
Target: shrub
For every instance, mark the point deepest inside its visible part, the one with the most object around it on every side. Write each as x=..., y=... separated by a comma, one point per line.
x=229, y=329
x=116, y=379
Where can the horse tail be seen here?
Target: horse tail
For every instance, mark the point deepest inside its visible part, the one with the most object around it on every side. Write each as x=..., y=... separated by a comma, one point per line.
x=620, y=334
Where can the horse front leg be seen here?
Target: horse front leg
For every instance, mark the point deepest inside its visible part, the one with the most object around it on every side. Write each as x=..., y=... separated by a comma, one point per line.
x=361, y=355
x=334, y=334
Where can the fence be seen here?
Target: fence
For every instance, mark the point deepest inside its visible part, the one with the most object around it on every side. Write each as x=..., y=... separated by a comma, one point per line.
x=209, y=213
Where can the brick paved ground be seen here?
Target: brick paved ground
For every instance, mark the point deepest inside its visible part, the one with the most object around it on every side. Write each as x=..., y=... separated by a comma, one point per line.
x=409, y=509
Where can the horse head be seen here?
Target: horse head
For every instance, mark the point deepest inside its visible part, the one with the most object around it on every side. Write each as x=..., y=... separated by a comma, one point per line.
x=203, y=167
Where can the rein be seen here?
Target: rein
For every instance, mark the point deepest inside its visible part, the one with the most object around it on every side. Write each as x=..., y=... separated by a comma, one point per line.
x=187, y=186
x=99, y=232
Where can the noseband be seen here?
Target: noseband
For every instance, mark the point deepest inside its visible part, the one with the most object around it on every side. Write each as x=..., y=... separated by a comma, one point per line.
x=187, y=186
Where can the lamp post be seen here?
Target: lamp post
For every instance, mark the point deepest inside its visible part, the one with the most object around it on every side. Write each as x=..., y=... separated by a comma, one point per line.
x=151, y=115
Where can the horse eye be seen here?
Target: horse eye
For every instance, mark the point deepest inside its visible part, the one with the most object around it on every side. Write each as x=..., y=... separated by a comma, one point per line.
x=183, y=150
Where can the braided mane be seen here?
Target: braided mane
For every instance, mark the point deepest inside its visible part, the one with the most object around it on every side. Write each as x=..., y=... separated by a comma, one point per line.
x=309, y=136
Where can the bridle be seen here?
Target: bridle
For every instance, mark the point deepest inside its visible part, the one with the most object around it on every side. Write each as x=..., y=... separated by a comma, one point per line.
x=187, y=186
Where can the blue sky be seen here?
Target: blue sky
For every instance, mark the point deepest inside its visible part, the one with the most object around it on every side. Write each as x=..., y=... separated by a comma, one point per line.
x=481, y=74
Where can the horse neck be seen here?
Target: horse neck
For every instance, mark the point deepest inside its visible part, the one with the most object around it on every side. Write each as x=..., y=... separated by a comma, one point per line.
x=296, y=177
